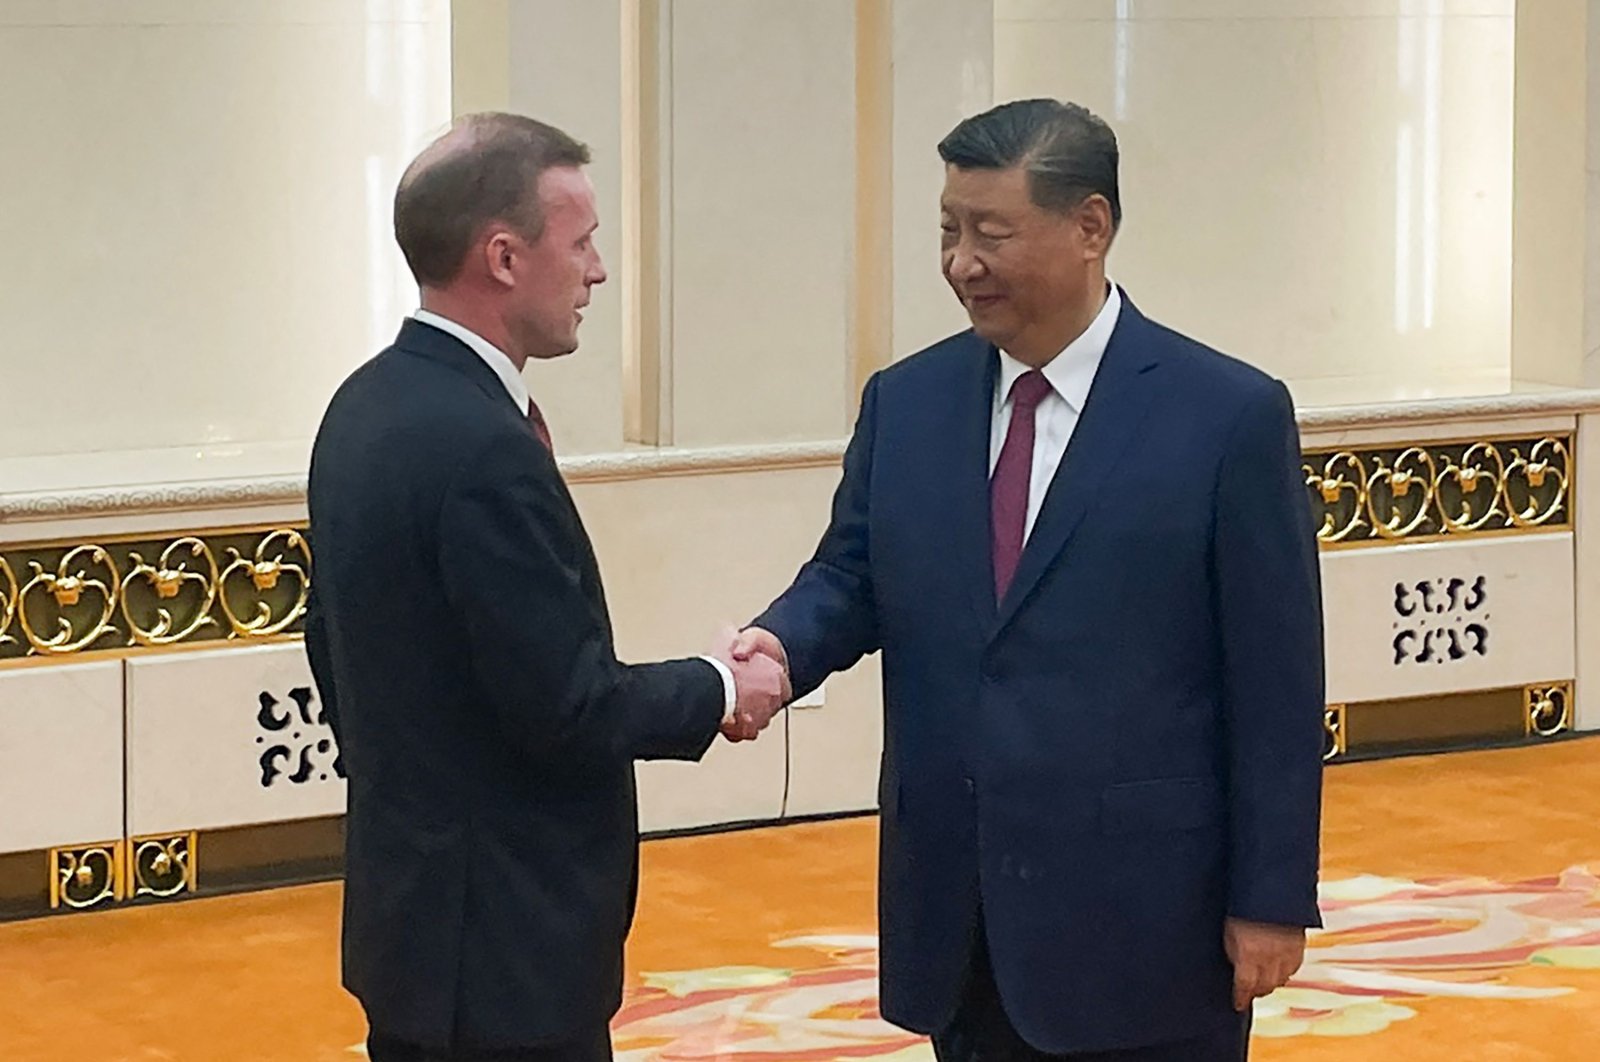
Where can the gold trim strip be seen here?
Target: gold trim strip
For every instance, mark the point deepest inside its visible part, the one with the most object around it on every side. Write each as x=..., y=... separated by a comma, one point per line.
x=173, y=865
x=8, y=601
x=159, y=866
x=1440, y=490
x=97, y=872
x=93, y=600
x=1333, y=727
x=1548, y=708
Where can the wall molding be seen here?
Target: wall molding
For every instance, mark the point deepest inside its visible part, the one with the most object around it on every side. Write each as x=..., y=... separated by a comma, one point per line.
x=1442, y=410
x=647, y=462
x=246, y=492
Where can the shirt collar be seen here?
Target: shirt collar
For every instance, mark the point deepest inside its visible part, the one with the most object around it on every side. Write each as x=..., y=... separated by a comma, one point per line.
x=491, y=355
x=1071, y=372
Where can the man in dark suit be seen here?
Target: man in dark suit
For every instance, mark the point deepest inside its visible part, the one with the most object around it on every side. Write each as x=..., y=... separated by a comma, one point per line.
x=460, y=639
x=1082, y=543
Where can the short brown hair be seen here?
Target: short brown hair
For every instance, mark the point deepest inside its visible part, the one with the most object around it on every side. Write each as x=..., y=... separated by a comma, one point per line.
x=485, y=169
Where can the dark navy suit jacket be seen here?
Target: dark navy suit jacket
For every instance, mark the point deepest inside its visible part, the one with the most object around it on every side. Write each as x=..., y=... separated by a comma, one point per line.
x=1127, y=748
x=461, y=642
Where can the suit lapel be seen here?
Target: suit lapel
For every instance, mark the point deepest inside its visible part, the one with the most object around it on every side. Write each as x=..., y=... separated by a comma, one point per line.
x=967, y=428
x=438, y=345
x=1117, y=403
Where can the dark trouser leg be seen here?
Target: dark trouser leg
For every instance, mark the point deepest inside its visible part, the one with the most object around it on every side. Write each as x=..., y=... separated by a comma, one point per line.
x=1230, y=1043
x=592, y=1046
x=982, y=1032
x=382, y=1048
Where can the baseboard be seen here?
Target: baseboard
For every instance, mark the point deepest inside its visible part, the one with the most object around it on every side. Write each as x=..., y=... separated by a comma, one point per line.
x=1510, y=717
x=275, y=855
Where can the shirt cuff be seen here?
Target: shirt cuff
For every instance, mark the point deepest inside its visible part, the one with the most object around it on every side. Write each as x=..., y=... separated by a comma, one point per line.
x=730, y=689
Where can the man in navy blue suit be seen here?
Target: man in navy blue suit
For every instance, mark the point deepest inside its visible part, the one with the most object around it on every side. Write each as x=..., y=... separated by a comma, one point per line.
x=1083, y=545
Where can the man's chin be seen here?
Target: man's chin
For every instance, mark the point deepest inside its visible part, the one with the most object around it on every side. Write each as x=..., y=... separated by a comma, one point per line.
x=559, y=350
x=987, y=319
x=989, y=330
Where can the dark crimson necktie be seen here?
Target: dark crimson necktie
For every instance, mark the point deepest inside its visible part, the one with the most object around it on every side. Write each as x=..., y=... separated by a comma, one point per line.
x=540, y=428
x=1008, y=486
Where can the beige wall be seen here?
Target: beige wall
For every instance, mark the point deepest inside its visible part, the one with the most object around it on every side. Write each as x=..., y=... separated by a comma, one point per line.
x=198, y=246
x=1322, y=187
x=682, y=557
x=754, y=169
x=196, y=212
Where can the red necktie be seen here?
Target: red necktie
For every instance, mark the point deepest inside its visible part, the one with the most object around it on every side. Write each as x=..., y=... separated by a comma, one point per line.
x=1008, y=486
x=540, y=428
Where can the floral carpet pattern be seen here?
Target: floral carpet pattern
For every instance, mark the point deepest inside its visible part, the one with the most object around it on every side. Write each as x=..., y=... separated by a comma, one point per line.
x=1388, y=946
x=1453, y=935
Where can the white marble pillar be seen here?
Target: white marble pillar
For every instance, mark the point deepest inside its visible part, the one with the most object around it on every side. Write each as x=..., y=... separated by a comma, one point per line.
x=1591, y=243
x=1586, y=491
x=562, y=63
x=1548, y=253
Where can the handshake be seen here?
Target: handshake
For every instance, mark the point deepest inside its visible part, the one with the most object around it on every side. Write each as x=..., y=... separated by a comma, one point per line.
x=761, y=674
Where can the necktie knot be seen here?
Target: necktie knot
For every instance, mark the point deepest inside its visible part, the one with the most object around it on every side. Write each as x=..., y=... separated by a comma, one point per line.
x=1029, y=390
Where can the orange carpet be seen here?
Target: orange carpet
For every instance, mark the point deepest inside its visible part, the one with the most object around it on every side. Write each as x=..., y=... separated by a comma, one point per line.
x=1461, y=891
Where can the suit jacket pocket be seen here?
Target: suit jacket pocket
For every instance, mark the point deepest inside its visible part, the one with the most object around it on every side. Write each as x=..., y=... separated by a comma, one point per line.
x=1161, y=805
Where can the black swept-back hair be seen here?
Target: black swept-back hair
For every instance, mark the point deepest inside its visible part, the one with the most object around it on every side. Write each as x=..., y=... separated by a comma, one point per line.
x=1068, y=152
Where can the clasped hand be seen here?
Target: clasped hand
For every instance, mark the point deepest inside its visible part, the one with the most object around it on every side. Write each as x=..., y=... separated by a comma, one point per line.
x=761, y=674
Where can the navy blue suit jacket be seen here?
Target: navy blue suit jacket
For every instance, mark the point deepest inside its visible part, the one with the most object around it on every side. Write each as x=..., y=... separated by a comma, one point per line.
x=1127, y=748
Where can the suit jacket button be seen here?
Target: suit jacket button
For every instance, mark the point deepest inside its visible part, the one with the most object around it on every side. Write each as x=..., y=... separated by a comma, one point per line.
x=972, y=787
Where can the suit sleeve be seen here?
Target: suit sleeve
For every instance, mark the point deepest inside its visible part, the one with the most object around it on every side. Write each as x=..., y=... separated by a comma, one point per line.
x=542, y=650
x=827, y=619
x=1270, y=611
x=321, y=661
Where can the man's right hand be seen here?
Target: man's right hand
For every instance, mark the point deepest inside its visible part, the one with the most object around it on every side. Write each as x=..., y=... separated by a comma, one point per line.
x=762, y=684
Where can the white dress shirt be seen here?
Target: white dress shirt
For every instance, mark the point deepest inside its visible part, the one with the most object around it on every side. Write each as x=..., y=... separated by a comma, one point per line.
x=517, y=388
x=1070, y=374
